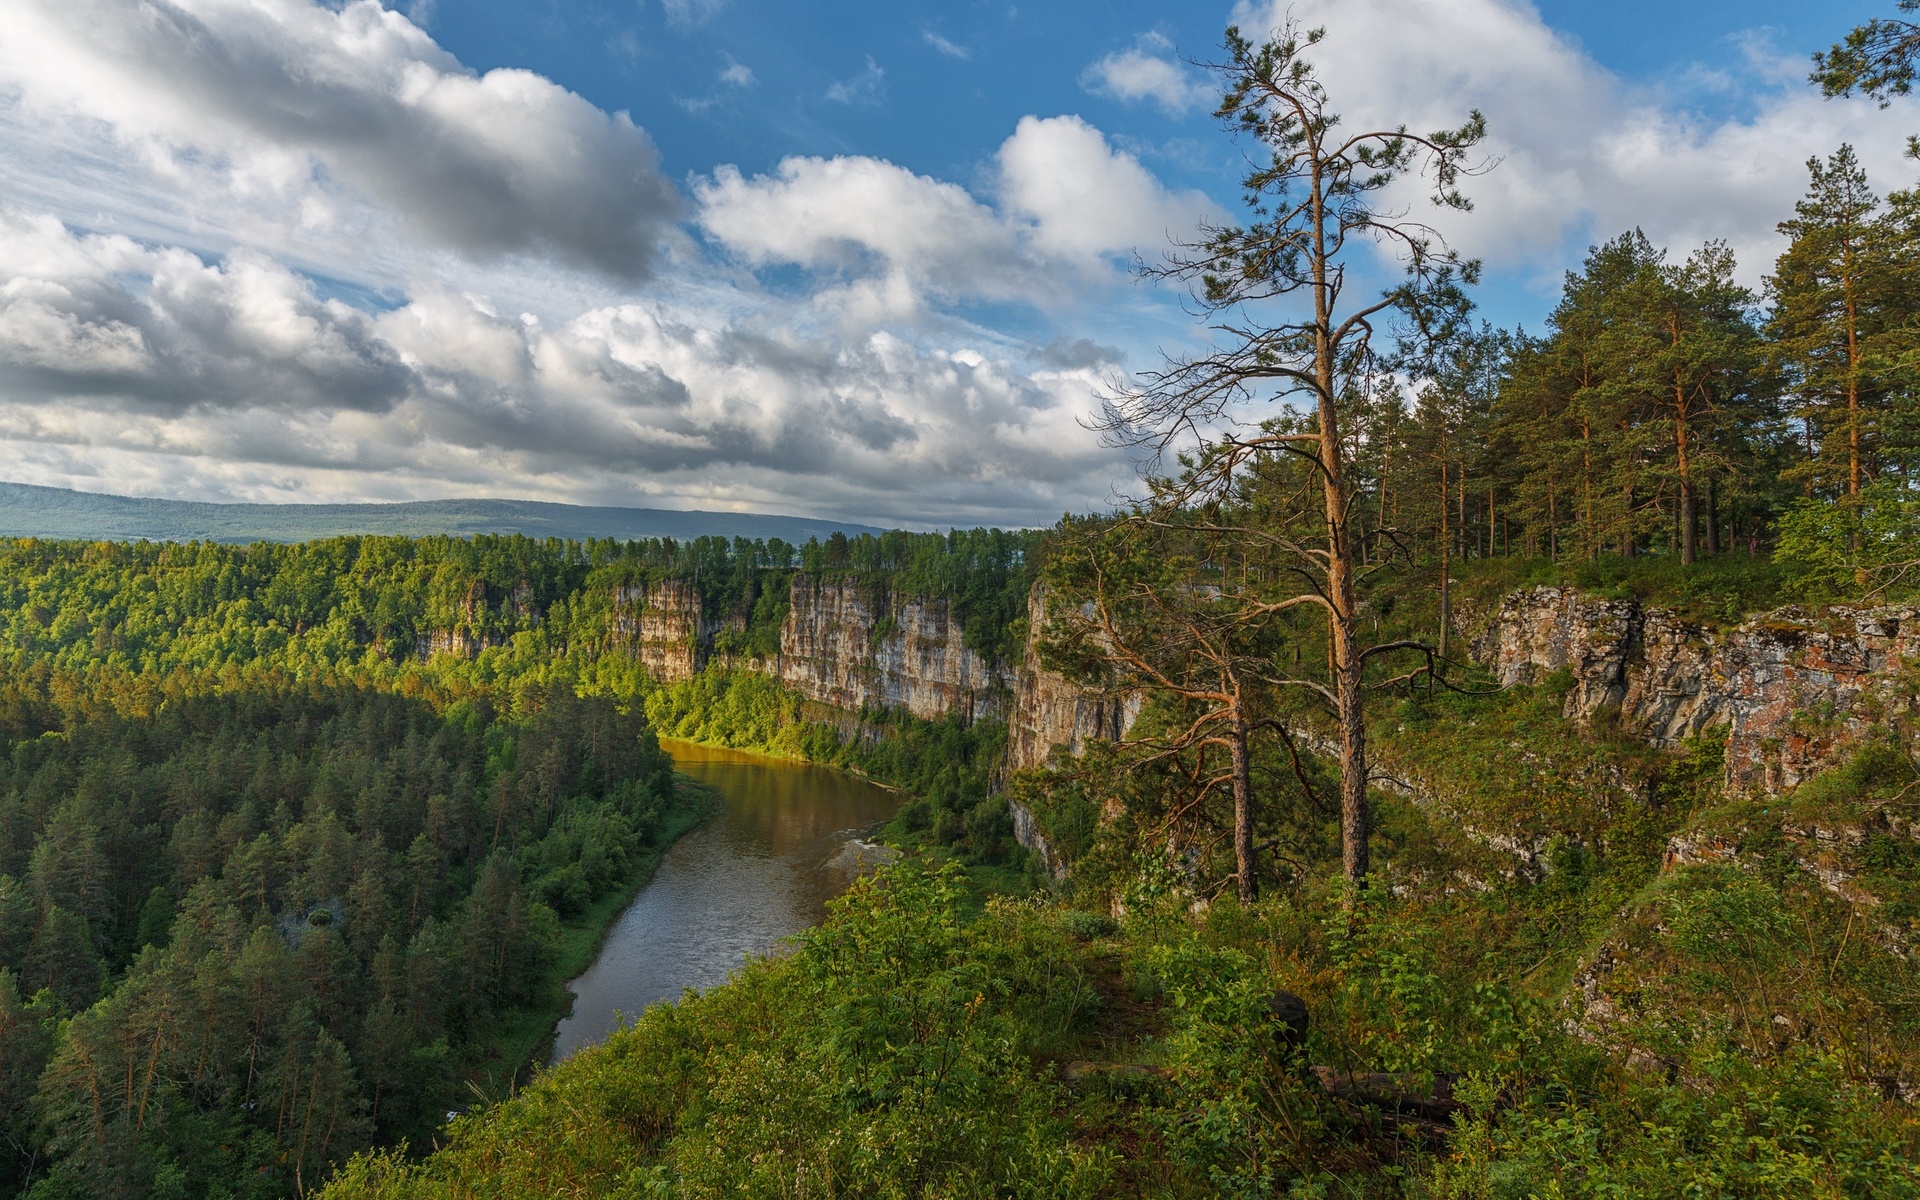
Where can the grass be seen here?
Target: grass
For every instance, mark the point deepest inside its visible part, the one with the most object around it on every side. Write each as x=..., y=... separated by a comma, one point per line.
x=528, y=1034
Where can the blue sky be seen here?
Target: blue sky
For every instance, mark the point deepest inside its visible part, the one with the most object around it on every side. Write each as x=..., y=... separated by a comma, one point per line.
x=853, y=259
x=956, y=77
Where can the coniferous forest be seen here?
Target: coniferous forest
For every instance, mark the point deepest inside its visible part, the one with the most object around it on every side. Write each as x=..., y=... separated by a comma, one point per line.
x=277, y=884
x=290, y=886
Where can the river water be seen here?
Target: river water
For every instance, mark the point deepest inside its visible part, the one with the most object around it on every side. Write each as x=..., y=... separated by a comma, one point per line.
x=785, y=841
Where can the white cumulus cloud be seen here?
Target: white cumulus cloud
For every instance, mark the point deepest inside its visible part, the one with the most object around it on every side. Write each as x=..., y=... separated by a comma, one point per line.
x=1579, y=153
x=1086, y=199
x=236, y=377
x=1149, y=71
x=1068, y=204
x=286, y=95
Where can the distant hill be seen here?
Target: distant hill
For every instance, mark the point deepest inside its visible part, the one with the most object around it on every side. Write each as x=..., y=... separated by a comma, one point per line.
x=30, y=511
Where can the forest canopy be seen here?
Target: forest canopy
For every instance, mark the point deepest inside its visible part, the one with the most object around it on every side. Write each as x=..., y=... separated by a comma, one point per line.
x=253, y=930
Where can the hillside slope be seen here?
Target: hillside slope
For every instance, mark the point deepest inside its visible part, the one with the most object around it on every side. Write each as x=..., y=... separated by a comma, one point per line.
x=1592, y=967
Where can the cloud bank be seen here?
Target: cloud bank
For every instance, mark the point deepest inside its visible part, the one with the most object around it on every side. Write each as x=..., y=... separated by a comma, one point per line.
x=280, y=135
x=290, y=96
x=1581, y=154
x=277, y=249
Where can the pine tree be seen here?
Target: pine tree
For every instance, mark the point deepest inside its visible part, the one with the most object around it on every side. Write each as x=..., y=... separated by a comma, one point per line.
x=1315, y=196
x=1837, y=316
x=1691, y=355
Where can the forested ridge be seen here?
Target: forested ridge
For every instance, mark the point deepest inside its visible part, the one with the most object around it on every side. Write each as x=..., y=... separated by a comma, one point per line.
x=1666, y=409
x=278, y=882
x=371, y=604
x=1334, y=914
x=1337, y=915
x=246, y=931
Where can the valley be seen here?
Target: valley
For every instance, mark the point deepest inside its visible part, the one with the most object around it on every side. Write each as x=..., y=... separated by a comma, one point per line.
x=1576, y=850
x=1406, y=705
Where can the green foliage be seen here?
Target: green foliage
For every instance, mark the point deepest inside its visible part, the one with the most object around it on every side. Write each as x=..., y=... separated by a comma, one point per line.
x=1876, y=58
x=946, y=766
x=1800, y=1131
x=884, y=1058
x=742, y=709
x=1723, y=590
x=284, y=920
x=908, y=1049
x=1840, y=551
x=984, y=574
x=1666, y=414
x=511, y=609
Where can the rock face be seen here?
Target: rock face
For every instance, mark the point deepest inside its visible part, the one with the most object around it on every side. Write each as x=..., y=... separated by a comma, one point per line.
x=461, y=642
x=664, y=627
x=1050, y=710
x=837, y=647
x=840, y=647
x=1791, y=687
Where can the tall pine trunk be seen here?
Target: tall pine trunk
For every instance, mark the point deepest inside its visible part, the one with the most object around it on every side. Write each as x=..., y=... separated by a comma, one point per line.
x=1247, y=883
x=1688, y=515
x=1713, y=517
x=1344, y=629
x=1446, y=565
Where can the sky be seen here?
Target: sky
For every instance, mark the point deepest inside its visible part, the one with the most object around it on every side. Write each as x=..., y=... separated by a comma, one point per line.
x=857, y=260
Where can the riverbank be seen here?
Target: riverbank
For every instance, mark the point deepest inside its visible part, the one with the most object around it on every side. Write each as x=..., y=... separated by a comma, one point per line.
x=525, y=1042
x=941, y=769
x=786, y=842
x=946, y=768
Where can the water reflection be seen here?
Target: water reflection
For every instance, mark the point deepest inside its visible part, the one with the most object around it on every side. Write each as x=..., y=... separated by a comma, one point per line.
x=763, y=868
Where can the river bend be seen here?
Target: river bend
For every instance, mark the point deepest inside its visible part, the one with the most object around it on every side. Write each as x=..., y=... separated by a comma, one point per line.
x=785, y=841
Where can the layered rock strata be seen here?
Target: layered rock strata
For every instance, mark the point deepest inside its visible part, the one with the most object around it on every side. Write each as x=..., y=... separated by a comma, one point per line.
x=1050, y=710
x=838, y=646
x=663, y=625
x=841, y=647
x=1790, y=687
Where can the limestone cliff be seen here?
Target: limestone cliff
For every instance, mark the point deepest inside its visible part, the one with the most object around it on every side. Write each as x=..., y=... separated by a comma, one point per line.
x=1050, y=710
x=842, y=647
x=461, y=642
x=1791, y=687
x=662, y=624
x=839, y=646
x=481, y=626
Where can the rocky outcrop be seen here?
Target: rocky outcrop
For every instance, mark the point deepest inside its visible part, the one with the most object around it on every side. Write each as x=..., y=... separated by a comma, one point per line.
x=1050, y=710
x=842, y=647
x=1791, y=687
x=461, y=642
x=1026, y=831
x=839, y=646
x=662, y=624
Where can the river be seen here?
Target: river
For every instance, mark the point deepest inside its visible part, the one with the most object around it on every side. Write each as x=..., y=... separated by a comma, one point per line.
x=785, y=841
